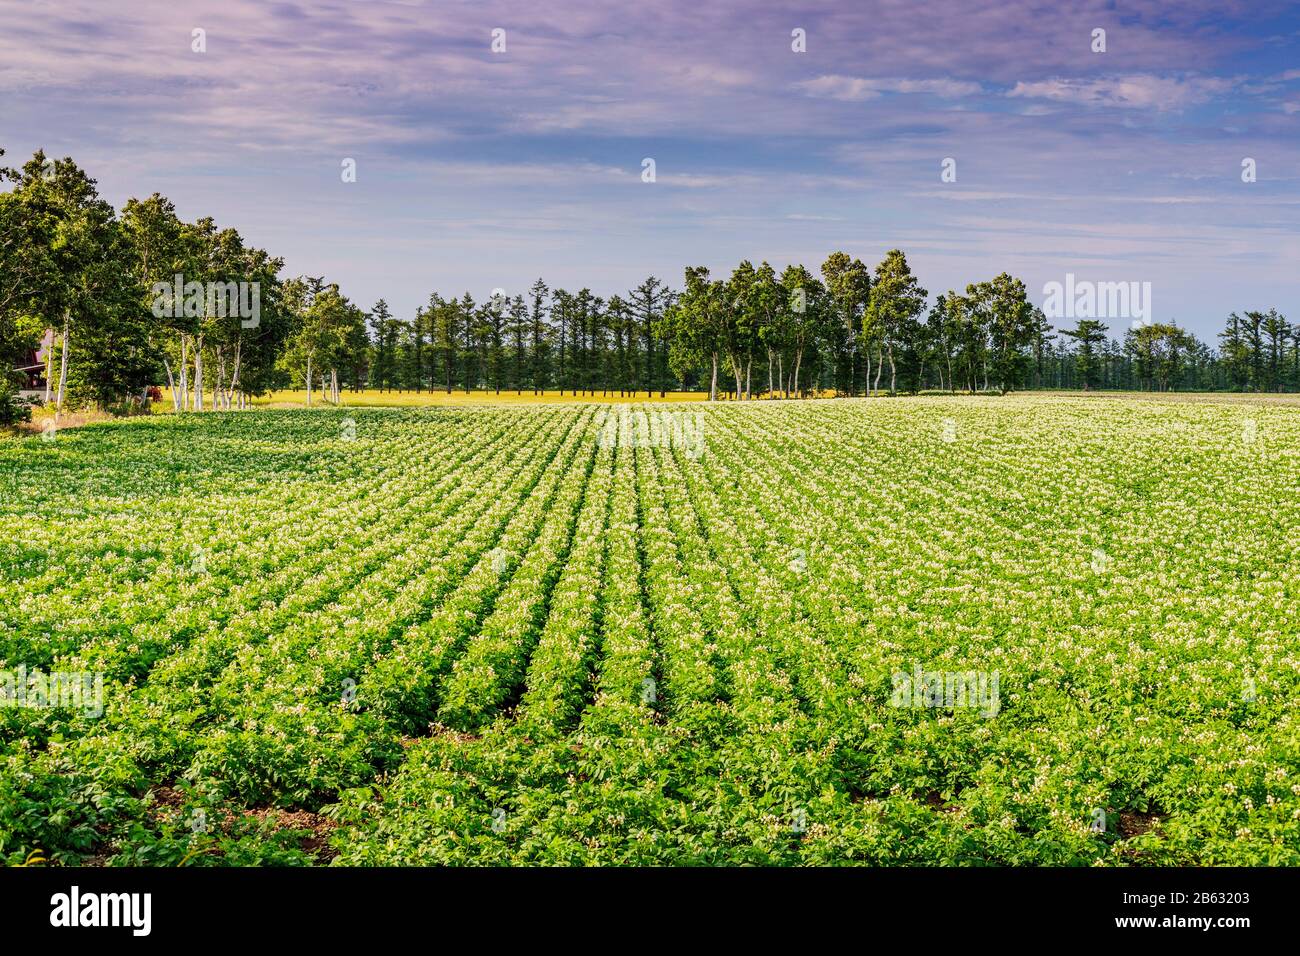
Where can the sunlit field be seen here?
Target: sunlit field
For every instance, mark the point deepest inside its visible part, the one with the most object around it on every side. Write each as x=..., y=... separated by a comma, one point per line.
x=374, y=398
x=1022, y=630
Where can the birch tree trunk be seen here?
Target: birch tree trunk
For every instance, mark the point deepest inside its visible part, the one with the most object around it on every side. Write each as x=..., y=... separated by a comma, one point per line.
x=49, y=369
x=218, y=388
x=171, y=385
x=713, y=382
x=234, y=376
x=63, y=362
x=185, y=371
x=198, y=374
x=309, y=381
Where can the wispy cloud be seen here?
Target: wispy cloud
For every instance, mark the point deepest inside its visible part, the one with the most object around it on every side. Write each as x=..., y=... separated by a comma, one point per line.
x=485, y=169
x=856, y=88
x=1135, y=91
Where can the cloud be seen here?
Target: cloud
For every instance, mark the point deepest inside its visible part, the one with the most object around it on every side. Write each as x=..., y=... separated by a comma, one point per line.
x=1134, y=91
x=857, y=89
x=466, y=158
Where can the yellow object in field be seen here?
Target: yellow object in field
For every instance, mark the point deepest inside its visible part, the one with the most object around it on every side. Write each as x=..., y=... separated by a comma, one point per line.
x=376, y=398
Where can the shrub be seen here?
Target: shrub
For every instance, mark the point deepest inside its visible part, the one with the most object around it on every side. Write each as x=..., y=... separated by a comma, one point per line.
x=13, y=407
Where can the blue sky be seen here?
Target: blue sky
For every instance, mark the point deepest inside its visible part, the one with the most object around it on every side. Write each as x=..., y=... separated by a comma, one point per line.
x=478, y=170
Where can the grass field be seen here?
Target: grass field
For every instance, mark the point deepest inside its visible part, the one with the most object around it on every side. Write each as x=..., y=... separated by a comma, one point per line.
x=1020, y=630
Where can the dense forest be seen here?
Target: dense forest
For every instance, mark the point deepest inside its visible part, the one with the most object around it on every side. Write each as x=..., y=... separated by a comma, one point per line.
x=136, y=299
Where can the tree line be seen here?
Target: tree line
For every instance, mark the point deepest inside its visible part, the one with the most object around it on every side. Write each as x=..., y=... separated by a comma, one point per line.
x=140, y=298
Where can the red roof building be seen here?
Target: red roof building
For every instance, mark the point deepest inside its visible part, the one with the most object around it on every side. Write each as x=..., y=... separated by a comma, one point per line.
x=32, y=365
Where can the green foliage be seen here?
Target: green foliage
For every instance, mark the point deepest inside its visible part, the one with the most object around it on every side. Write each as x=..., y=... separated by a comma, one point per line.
x=13, y=408
x=562, y=635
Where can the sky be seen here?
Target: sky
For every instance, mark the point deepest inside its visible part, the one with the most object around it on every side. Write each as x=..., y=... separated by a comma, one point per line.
x=481, y=169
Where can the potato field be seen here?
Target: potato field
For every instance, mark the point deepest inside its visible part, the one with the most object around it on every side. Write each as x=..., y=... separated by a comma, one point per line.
x=1017, y=630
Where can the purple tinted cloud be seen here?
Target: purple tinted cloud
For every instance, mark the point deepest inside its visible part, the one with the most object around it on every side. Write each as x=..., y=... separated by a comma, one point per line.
x=478, y=170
